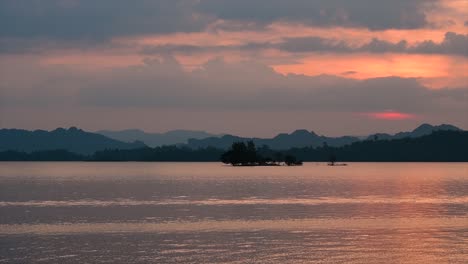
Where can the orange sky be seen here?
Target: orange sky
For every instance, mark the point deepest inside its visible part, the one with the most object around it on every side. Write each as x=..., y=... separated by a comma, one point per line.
x=434, y=70
x=445, y=70
x=52, y=64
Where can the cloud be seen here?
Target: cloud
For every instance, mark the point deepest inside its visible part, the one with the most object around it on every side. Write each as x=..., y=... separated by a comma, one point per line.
x=96, y=20
x=90, y=36
x=349, y=72
x=375, y=15
x=232, y=97
x=381, y=46
x=220, y=86
x=194, y=49
x=452, y=44
x=313, y=44
x=40, y=26
x=251, y=86
x=104, y=19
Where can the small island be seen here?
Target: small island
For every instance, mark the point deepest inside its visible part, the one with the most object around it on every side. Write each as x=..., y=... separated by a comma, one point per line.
x=242, y=154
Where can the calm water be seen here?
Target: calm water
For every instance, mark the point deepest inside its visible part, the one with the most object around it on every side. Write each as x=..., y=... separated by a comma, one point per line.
x=211, y=213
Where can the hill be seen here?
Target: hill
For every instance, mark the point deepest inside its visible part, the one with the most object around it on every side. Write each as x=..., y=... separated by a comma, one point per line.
x=422, y=130
x=173, y=137
x=302, y=138
x=440, y=146
x=72, y=139
x=297, y=139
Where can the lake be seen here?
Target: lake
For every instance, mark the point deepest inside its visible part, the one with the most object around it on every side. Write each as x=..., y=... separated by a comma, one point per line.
x=212, y=213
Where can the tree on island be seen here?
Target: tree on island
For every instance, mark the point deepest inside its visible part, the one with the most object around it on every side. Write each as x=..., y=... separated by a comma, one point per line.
x=278, y=157
x=291, y=161
x=332, y=160
x=242, y=154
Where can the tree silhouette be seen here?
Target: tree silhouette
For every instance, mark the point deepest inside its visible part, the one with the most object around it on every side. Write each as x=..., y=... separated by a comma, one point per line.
x=279, y=157
x=241, y=154
x=290, y=160
x=332, y=159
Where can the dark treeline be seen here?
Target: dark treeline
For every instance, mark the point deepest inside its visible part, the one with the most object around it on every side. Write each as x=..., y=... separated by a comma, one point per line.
x=449, y=146
x=164, y=153
x=441, y=146
x=242, y=154
x=47, y=155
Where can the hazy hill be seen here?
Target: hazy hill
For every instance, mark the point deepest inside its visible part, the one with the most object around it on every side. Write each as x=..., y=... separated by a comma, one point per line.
x=81, y=142
x=303, y=138
x=440, y=146
x=422, y=130
x=156, y=139
x=72, y=139
x=297, y=139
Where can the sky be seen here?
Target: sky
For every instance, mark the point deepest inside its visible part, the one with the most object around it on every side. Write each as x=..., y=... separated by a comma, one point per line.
x=245, y=67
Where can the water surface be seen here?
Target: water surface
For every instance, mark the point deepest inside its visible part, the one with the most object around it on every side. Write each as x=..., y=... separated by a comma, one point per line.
x=211, y=213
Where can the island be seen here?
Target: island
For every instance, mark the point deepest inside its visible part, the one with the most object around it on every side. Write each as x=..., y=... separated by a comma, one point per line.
x=242, y=154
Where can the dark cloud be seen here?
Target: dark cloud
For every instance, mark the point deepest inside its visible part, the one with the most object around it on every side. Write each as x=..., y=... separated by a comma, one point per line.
x=252, y=86
x=171, y=48
x=313, y=44
x=34, y=26
x=220, y=86
x=162, y=91
x=453, y=44
x=318, y=44
x=193, y=49
x=372, y=14
x=349, y=72
x=381, y=46
x=44, y=45
x=98, y=20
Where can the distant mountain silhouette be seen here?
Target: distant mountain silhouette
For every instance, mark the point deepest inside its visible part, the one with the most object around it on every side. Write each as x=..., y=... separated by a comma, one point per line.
x=43, y=155
x=173, y=137
x=297, y=139
x=422, y=130
x=85, y=143
x=303, y=138
x=440, y=146
x=72, y=139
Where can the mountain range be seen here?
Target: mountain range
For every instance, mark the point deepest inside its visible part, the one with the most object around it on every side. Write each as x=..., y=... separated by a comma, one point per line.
x=81, y=142
x=174, y=137
x=440, y=146
x=72, y=139
x=303, y=138
x=422, y=130
x=297, y=139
